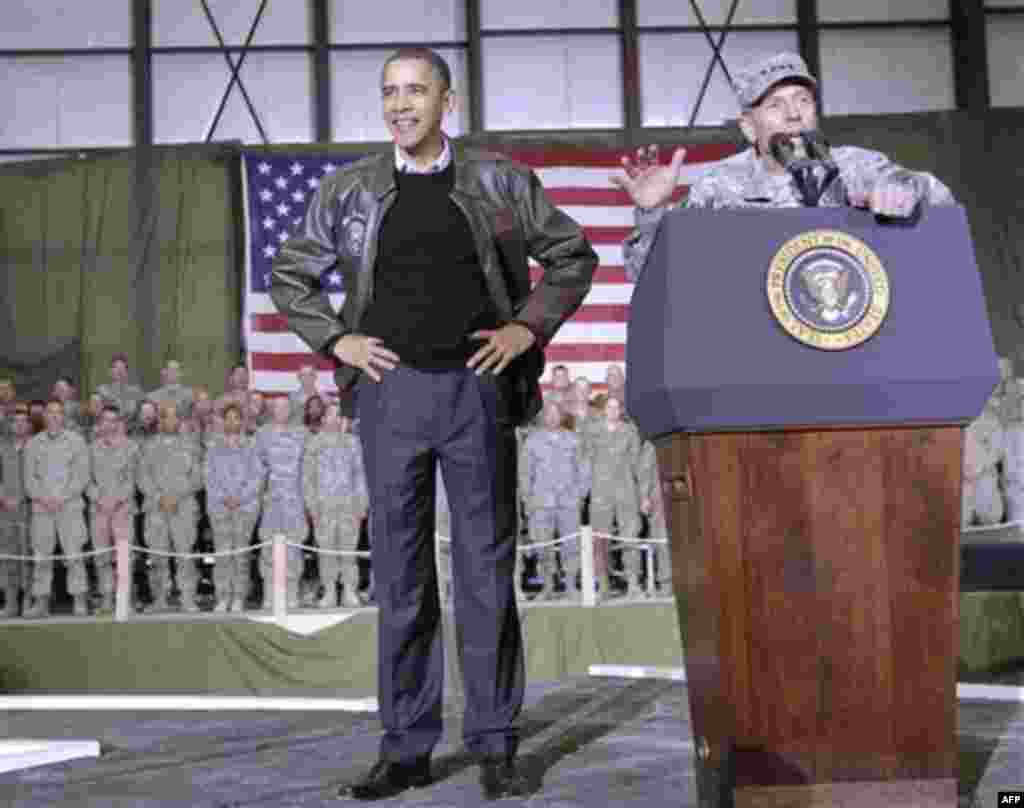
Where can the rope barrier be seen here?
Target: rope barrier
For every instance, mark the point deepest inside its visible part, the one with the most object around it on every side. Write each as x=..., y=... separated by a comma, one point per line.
x=325, y=551
x=65, y=557
x=220, y=554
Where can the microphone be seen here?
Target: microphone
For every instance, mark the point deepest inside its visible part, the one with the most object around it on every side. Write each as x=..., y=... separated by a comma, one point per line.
x=807, y=157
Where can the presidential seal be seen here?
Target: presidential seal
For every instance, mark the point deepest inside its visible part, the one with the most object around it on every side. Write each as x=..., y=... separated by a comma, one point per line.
x=828, y=289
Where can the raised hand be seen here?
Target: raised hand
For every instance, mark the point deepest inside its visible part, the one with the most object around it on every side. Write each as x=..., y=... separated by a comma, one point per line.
x=648, y=183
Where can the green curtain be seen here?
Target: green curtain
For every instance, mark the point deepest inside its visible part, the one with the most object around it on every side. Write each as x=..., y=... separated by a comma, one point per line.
x=111, y=254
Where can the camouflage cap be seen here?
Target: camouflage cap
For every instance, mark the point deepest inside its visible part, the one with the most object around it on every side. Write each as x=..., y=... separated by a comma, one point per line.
x=753, y=81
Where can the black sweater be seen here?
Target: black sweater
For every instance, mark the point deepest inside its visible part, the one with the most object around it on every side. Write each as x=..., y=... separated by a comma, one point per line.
x=429, y=288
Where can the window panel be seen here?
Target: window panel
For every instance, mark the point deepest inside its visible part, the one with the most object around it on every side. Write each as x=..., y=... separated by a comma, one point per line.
x=548, y=14
x=188, y=88
x=1005, y=66
x=355, y=95
x=284, y=22
x=74, y=101
x=881, y=10
x=357, y=21
x=672, y=69
x=552, y=82
x=679, y=12
x=876, y=72
x=1004, y=3
x=65, y=24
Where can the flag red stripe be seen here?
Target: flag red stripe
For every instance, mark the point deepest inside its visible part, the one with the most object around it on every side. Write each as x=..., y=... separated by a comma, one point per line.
x=557, y=352
x=596, y=313
x=608, y=274
x=611, y=158
x=607, y=235
x=600, y=197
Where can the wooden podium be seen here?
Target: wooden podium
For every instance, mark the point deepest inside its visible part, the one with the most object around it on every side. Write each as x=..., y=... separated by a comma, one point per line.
x=813, y=502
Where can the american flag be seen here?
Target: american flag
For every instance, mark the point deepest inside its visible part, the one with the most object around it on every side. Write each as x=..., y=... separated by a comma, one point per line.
x=278, y=187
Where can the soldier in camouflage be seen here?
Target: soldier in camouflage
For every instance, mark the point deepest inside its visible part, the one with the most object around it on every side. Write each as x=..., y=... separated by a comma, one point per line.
x=652, y=504
x=64, y=390
x=120, y=392
x=281, y=447
x=172, y=390
x=777, y=96
x=612, y=450
x=553, y=480
x=111, y=492
x=56, y=474
x=334, y=487
x=170, y=476
x=560, y=391
x=8, y=400
x=298, y=398
x=14, y=512
x=234, y=476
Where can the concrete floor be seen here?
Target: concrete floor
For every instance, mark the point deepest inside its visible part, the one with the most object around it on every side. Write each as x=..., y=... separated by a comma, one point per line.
x=590, y=742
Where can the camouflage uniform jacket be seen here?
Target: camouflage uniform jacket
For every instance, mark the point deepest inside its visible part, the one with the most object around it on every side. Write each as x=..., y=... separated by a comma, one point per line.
x=647, y=473
x=332, y=468
x=614, y=460
x=12, y=473
x=169, y=465
x=281, y=452
x=741, y=181
x=233, y=471
x=180, y=394
x=114, y=471
x=552, y=470
x=57, y=467
x=126, y=397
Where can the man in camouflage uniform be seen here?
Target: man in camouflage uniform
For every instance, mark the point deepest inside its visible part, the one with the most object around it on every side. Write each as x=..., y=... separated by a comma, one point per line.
x=612, y=450
x=553, y=480
x=64, y=390
x=120, y=392
x=234, y=475
x=560, y=391
x=8, y=399
x=172, y=390
x=56, y=474
x=652, y=504
x=281, y=447
x=115, y=460
x=146, y=425
x=334, y=487
x=307, y=389
x=14, y=508
x=776, y=96
x=170, y=476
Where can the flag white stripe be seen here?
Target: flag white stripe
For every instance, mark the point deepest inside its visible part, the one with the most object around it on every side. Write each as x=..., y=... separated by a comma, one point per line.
x=600, y=215
x=578, y=177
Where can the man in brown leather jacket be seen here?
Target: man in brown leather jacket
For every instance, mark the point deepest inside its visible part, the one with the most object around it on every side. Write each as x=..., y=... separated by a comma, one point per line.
x=440, y=337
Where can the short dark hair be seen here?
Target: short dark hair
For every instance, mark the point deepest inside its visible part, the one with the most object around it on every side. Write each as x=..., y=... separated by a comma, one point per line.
x=233, y=405
x=428, y=55
x=111, y=408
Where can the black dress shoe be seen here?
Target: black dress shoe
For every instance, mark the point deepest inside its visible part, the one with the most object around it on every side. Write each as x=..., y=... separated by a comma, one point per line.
x=388, y=778
x=501, y=777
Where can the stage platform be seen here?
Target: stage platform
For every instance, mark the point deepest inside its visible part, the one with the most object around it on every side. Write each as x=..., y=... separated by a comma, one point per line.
x=333, y=654
x=586, y=742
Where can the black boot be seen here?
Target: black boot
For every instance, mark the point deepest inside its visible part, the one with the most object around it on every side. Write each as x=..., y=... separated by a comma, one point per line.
x=502, y=777
x=388, y=778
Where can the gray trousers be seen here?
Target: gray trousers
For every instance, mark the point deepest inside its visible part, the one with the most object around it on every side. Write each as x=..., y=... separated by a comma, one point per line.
x=409, y=422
